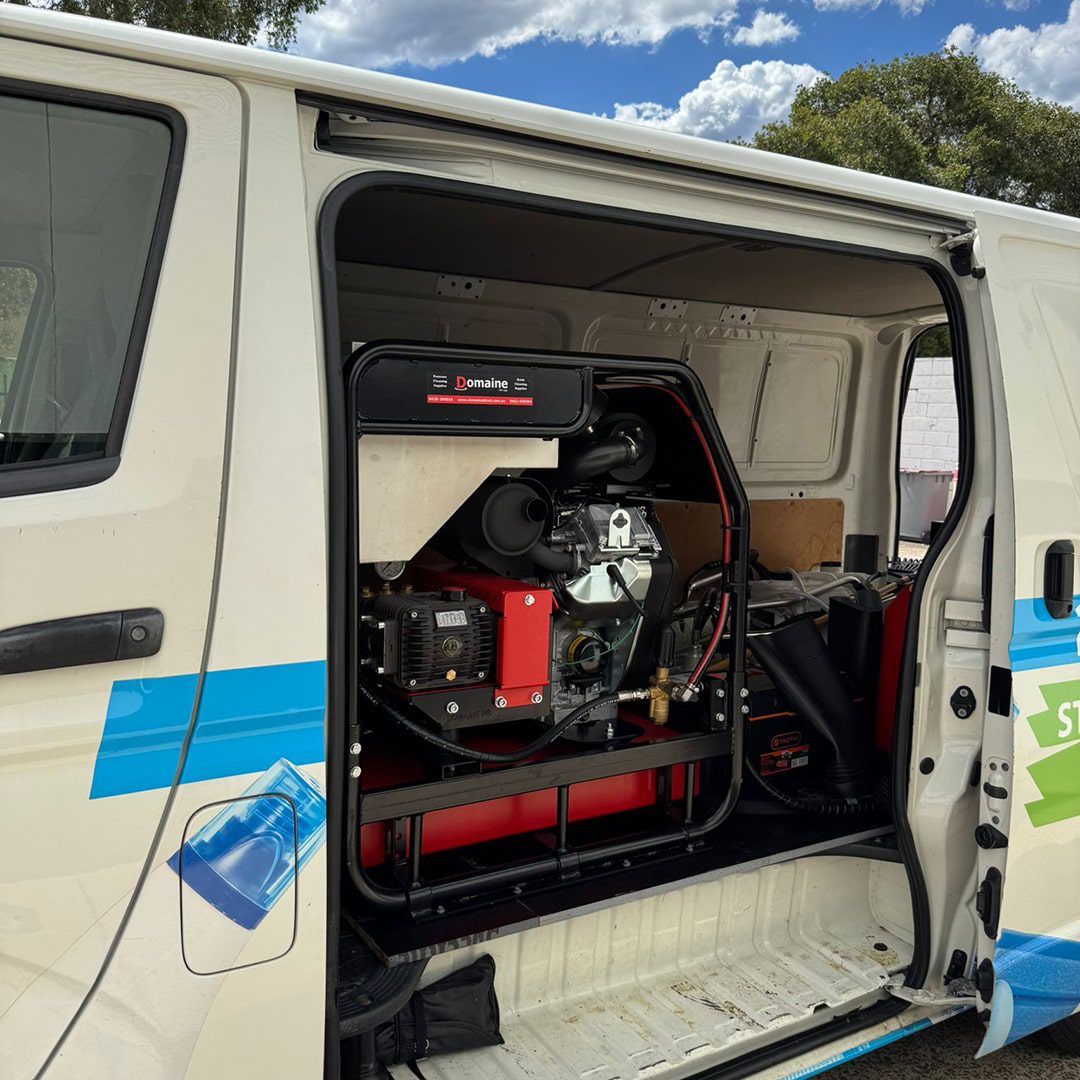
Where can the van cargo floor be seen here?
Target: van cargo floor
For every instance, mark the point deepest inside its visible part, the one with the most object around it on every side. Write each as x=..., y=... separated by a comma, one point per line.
x=674, y=983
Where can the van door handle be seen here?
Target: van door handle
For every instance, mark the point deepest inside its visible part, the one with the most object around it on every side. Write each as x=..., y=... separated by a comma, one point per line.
x=84, y=639
x=1058, y=579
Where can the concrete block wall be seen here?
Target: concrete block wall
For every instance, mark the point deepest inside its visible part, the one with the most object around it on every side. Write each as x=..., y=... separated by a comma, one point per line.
x=929, y=433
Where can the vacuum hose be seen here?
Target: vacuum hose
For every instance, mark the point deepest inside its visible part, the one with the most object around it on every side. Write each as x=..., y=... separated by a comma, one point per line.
x=797, y=660
x=402, y=719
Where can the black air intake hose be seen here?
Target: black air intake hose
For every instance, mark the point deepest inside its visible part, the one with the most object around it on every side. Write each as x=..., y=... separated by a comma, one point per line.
x=797, y=660
x=596, y=458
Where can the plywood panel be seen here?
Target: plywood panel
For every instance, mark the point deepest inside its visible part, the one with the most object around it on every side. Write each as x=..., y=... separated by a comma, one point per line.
x=799, y=533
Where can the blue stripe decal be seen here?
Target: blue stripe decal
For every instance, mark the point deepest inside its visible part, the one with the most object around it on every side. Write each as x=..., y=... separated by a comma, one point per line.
x=862, y=1049
x=858, y=1051
x=1040, y=641
x=248, y=718
x=1043, y=975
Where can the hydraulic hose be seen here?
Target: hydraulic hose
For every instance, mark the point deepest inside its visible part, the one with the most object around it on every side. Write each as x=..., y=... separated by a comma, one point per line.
x=402, y=719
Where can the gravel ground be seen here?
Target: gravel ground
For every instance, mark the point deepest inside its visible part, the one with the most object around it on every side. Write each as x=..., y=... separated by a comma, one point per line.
x=948, y=1050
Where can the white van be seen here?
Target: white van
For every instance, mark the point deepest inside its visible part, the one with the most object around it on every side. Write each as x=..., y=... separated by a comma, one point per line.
x=449, y=596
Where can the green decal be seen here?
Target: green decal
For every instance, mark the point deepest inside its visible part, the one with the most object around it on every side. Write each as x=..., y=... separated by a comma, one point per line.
x=1057, y=776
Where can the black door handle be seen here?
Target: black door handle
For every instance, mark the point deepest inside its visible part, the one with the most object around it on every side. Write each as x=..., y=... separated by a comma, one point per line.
x=83, y=639
x=1058, y=579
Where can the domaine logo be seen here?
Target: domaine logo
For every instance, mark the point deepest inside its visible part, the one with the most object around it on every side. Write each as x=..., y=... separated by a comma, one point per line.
x=461, y=382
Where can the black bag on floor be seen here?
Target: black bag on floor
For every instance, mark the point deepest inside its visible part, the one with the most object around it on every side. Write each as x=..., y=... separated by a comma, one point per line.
x=459, y=1012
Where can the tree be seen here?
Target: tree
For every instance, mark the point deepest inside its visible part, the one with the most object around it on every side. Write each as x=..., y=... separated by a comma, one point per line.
x=938, y=119
x=243, y=22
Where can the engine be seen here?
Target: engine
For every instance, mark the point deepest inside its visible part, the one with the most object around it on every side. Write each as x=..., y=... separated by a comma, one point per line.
x=555, y=585
x=604, y=603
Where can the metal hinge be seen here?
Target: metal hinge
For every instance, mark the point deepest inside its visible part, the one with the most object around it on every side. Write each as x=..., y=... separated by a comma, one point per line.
x=961, y=251
x=958, y=992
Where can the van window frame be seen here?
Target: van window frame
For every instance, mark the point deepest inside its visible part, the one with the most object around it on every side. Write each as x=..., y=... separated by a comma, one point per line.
x=61, y=474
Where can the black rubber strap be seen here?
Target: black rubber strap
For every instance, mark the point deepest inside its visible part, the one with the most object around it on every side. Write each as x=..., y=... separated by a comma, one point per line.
x=420, y=1039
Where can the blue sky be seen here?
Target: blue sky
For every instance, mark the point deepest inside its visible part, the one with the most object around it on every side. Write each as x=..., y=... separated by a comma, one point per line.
x=710, y=67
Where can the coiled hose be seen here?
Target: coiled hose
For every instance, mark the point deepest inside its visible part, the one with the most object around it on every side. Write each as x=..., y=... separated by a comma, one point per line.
x=825, y=805
x=512, y=757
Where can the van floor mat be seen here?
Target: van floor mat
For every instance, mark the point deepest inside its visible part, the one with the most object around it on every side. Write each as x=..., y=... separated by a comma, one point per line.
x=672, y=984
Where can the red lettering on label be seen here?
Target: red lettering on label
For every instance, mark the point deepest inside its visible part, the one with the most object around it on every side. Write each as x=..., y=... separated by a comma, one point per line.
x=476, y=399
x=460, y=383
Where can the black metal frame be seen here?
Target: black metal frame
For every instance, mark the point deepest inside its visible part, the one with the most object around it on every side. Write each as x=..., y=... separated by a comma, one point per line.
x=417, y=898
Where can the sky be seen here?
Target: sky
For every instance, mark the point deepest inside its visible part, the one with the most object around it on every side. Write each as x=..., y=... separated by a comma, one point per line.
x=716, y=68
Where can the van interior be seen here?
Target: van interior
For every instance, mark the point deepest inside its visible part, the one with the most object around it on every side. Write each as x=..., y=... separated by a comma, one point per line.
x=626, y=635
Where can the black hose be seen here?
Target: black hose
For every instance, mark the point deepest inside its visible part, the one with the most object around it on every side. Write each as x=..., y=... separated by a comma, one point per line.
x=512, y=757
x=834, y=807
x=576, y=464
x=556, y=562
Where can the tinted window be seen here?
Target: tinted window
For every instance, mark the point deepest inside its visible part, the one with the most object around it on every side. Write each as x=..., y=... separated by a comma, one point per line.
x=18, y=286
x=79, y=195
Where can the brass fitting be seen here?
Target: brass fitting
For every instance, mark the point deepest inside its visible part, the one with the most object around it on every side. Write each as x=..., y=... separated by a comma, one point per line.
x=659, y=696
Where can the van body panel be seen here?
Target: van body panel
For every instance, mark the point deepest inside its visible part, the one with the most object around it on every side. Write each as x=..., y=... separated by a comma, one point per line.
x=217, y=514
x=89, y=753
x=1030, y=766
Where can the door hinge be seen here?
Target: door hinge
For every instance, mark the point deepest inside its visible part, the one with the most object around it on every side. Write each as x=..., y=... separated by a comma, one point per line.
x=958, y=992
x=961, y=251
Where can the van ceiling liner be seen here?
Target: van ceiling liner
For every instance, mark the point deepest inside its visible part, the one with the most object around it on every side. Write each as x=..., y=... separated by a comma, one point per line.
x=441, y=233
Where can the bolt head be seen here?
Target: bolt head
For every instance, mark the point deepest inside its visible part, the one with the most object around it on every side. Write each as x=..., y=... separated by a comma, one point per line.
x=414, y=614
x=720, y=718
x=962, y=713
x=452, y=708
x=537, y=697
x=745, y=710
x=481, y=674
x=354, y=772
x=354, y=749
x=482, y=610
x=529, y=599
x=500, y=703
x=744, y=692
x=412, y=682
x=963, y=691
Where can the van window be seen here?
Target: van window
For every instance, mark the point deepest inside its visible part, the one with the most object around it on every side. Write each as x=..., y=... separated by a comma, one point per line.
x=80, y=190
x=929, y=441
x=18, y=286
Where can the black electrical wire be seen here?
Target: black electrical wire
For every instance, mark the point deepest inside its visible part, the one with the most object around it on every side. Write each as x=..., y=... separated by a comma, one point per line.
x=616, y=575
x=402, y=719
x=826, y=805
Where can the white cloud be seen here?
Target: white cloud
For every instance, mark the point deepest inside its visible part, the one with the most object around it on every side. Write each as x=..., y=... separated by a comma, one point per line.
x=382, y=33
x=1045, y=60
x=907, y=7
x=767, y=28
x=732, y=102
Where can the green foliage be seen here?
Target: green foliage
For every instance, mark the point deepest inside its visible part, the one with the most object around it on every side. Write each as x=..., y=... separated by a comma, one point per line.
x=242, y=22
x=934, y=342
x=17, y=286
x=938, y=119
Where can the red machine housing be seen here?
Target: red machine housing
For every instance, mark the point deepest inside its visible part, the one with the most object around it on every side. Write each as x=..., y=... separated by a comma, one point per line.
x=523, y=636
x=513, y=815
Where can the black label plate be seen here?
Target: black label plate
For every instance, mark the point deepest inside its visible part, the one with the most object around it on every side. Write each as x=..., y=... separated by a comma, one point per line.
x=427, y=389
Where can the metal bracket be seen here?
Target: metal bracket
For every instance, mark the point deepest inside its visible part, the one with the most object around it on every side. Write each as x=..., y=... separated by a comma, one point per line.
x=959, y=992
